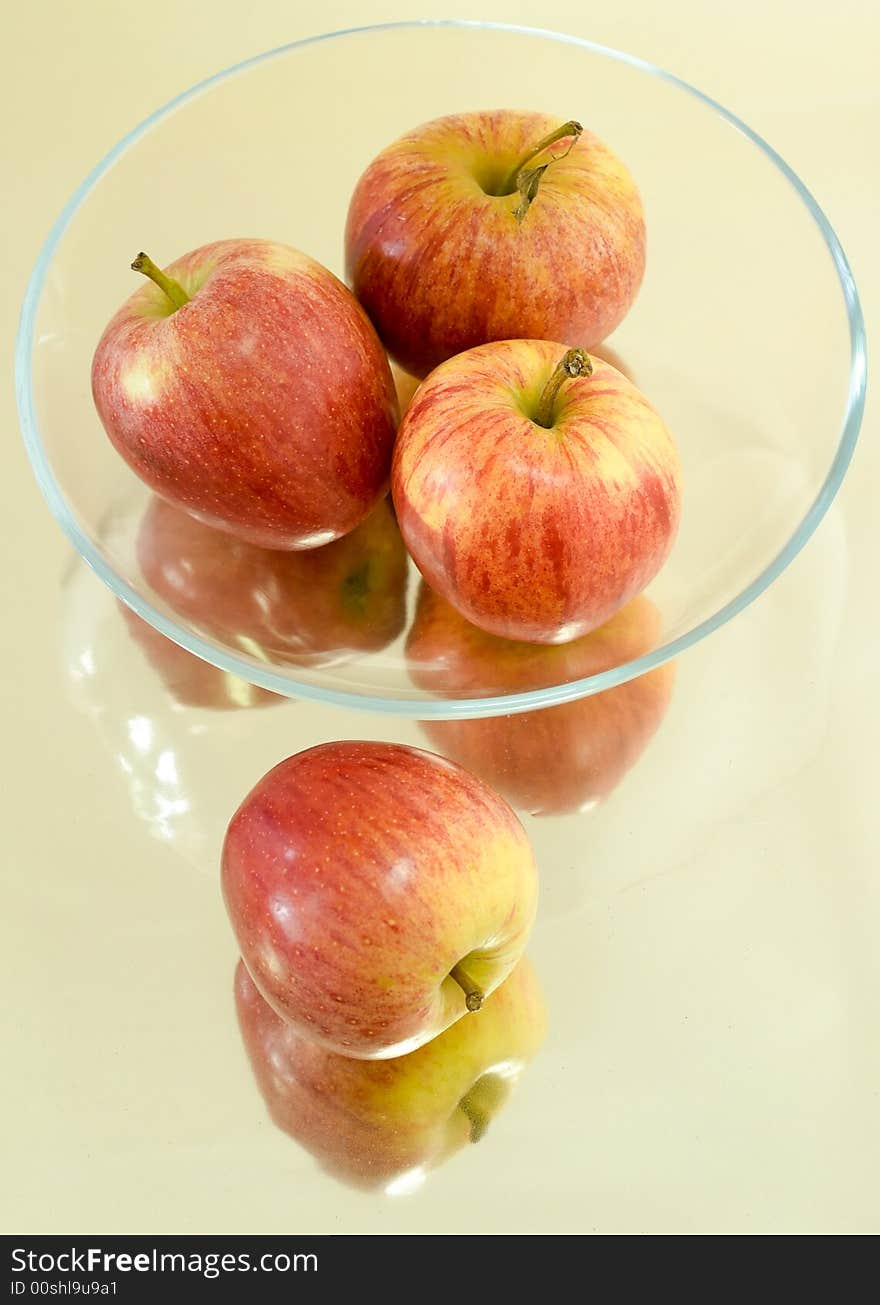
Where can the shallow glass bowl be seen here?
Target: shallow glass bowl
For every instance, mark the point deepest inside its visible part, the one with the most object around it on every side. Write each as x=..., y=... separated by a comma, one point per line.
x=747, y=334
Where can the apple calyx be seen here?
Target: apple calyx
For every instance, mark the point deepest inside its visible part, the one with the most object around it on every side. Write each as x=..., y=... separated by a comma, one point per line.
x=576, y=362
x=473, y=994
x=171, y=288
x=525, y=180
x=479, y=1104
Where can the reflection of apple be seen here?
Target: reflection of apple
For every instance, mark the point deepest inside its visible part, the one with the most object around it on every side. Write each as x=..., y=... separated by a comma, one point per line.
x=536, y=489
x=384, y=1122
x=377, y=892
x=559, y=758
x=247, y=385
x=189, y=680
x=494, y=225
x=348, y=595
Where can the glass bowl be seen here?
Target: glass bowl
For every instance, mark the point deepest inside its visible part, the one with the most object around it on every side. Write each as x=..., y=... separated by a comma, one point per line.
x=747, y=336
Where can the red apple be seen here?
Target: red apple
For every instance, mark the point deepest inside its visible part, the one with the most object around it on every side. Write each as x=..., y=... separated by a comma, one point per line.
x=246, y=385
x=291, y=607
x=191, y=681
x=377, y=892
x=536, y=491
x=559, y=758
x=385, y=1122
x=494, y=226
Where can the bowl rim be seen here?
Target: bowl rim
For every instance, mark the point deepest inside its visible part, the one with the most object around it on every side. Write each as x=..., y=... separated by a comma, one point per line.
x=434, y=707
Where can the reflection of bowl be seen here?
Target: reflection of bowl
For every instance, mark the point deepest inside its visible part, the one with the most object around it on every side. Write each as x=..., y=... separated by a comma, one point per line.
x=554, y=759
x=744, y=275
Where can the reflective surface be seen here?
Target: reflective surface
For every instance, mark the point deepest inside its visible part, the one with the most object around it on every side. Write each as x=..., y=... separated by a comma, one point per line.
x=706, y=941
x=385, y=1125
x=559, y=758
x=736, y=244
x=308, y=609
x=635, y=886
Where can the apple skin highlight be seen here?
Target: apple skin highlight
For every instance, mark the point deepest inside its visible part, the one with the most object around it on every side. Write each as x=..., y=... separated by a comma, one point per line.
x=534, y=534
x=264, y=405
x=441, y=265
x=358, y=875
x=372, y=1123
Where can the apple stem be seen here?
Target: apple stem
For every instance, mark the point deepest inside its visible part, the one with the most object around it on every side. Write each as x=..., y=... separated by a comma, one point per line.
x=173, y=289
x=478, y=1119
x=473, y=995
x=481, y=1102
x=525, y=180
x=576, y=362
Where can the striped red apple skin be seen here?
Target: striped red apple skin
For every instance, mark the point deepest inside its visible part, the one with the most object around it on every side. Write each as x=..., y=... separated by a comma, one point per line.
x=264, y=405
x=534, y=534
x=358, y=874
x=442, y=266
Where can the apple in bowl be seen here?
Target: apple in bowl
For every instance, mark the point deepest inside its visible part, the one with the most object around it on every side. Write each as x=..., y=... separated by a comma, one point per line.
x=297, y=607
x=494, y=225
x=556, y=759
x=245, y=384
x=378, y=893
x=537, y=490
x=384, y=1123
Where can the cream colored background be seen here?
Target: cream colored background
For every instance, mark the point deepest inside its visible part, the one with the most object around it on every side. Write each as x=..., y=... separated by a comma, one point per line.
x=708, y=939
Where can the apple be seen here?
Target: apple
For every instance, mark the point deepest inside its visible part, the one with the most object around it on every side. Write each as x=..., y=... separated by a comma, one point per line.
x=377, y=893
x=246, y=385
x=384, y=1123
x=537, y=490
x=494, y=225
x=191, y=681
x=555, y=759
x=291, y=607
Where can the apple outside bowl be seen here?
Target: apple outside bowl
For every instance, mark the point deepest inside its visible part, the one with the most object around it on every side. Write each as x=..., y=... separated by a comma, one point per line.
x=747, y=335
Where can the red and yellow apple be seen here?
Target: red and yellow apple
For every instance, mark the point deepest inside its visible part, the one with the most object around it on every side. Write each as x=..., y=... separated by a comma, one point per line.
x=556, y=759
x=292, y=607
x=494, y=225
x=537, y=491
x=246, y=385
x=384, y=1123
x=191, y=681
x=378, y=893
